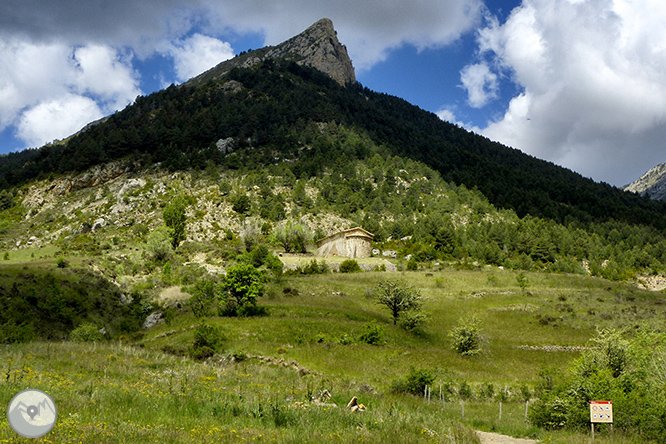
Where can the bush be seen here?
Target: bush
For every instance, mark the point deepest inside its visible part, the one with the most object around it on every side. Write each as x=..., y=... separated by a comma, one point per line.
x=62, y=263
x=12, y=332
x=412, y=265
x=203, y=293
x=294, y=238
x=350, y=266
x=372, y=334
x=414, y=382
x=241, y=204
x=398, y=298
x=158, y=245
x=207, y=340
x=242, y=285
x=411, y=320
x=176, y=220
x=86, y=333
x=466, y=337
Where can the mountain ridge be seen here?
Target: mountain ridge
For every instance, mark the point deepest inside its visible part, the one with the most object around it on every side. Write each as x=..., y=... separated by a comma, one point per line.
x=317, y=47
x=651, y=184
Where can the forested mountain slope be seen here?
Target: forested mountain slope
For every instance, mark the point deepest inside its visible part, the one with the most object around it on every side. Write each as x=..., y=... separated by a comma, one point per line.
x=259, y=110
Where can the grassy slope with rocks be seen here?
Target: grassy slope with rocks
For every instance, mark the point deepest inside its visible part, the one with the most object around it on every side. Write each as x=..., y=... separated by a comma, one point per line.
x=529, y=321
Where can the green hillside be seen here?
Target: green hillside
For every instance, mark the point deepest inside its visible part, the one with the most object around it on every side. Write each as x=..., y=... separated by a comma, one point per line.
x=265, y=108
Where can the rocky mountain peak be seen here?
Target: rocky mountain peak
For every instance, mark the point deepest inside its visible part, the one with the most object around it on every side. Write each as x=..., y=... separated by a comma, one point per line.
x=317, y=47
x=652, y=183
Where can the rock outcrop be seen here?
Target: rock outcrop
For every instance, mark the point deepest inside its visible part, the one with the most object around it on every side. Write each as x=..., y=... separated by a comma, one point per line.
x=652, y=183
x=317, y=47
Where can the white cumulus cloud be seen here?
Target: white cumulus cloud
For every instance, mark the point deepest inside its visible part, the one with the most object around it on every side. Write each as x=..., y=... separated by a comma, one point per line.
x=56, y=118
x=593, y=80
x=480, y=83
x=60, y=83
x=196, y=54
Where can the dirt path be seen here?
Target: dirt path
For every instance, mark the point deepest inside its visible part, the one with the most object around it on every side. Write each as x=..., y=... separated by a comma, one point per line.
x=494, y=438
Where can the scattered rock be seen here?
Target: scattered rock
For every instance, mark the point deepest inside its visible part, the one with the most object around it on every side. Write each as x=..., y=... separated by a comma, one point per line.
x=99, y=223
x=153, y=319
x=131, y=183
x=125, y=300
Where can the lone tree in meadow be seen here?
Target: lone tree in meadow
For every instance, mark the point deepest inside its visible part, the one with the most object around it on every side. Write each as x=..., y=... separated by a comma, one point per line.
x=398, y=297
x=241, y=287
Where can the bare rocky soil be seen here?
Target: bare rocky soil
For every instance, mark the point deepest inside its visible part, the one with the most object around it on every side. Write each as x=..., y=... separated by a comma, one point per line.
x=494, y=438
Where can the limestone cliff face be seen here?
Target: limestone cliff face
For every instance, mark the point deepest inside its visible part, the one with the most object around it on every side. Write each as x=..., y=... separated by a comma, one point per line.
x=652, y=183
x=317, y=47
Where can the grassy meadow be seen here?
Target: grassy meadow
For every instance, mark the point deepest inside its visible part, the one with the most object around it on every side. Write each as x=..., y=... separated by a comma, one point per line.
x=260, y=388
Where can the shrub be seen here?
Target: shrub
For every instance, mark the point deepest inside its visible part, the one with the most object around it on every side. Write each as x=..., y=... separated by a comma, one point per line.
x=86, y=333
x=207, y=340
x=350, y=266
x=414, y=382
x=372, y=334
x=550, y=414
x=294, y=238
x=466, y=337
x=251, y=234
x=62, y=263
x=412, y=265
x=398, y=298
x=346, y=339
x=241, y=204
x=241, y=286
x=411, y=320
x=158, y=245
x=176, y=220
x=13, y=332
x=203, y=293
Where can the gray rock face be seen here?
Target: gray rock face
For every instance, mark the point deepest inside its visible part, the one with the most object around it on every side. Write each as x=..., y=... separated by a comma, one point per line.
x=652, y=183
x=317, y=47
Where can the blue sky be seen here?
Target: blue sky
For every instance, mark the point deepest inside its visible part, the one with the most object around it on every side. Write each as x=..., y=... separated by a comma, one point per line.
x=581, y=83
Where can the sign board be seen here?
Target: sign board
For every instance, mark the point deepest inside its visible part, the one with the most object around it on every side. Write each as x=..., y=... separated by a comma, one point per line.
x=601, y=412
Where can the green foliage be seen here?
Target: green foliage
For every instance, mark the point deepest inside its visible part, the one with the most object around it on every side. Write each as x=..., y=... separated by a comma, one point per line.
x=412, y=320
x=62, y=263
x=412, y=264
x=313, y=267
x=86, y=333
x=13, y=331
x=466, y=337
x=6, y=200
x=159, y=245
x=49, y=304
x=176, y=220
x=241, y=287
x=203, y=292
x=630, y=373
x=293, y=237
x=372, y=334
x=415, y=381
x=207, y=341
x=398, y=297
x=350, y=266
x=241, y=203
x=522, y=281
